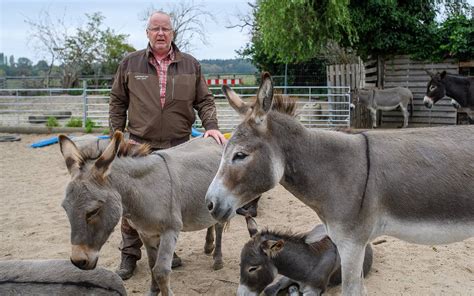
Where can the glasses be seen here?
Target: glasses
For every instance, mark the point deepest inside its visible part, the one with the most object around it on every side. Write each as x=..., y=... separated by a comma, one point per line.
x=158, y=29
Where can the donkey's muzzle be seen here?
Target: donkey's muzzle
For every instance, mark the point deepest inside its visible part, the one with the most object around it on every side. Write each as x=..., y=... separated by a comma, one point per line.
x=84, y=257
x=84, y=264
x=428, y=102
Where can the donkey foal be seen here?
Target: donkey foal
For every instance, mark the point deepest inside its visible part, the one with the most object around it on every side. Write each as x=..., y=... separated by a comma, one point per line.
x=309, y=260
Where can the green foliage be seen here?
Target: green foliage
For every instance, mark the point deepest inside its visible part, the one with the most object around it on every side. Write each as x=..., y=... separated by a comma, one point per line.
x=90, y=124
x=297, y=30
x=74, y=122
x=106, y=131
x=392, y=27
x=457, y=37
x=52, y=122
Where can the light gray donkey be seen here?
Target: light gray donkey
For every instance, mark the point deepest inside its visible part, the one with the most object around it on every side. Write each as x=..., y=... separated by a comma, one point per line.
x=413, y=184
x=385, y=100
x=160, y=193
x=56, y=277
x=309, y=260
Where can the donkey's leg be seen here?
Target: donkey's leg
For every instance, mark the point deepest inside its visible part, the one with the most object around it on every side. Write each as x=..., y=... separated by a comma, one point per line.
x=373, y=113
x=405, y=115
x=151, y=246
x=279, y=283
x=352, y=259
x=162, y=268
x=209, y=246
x=218, y=263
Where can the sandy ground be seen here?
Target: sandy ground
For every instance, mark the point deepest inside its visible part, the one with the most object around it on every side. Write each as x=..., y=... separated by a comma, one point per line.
x=33, y=225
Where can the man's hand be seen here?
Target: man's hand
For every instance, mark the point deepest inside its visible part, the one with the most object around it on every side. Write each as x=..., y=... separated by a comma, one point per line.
x=216, y=135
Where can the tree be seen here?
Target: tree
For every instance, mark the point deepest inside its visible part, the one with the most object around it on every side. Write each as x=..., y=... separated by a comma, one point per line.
x=24, y=67
x=83, y=51
x=48, y=36
x=12, y=61
x=298, y=30
x=189, y=23
x=393, y=27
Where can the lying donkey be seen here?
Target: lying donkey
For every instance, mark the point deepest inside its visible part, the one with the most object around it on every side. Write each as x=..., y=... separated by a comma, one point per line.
x=309, y=260
x=161, y=194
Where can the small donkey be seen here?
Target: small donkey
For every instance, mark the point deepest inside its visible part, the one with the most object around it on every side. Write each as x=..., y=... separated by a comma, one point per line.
x=309, y=260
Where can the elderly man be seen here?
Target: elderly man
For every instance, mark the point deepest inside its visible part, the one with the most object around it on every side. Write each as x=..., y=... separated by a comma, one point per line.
x=157, y=89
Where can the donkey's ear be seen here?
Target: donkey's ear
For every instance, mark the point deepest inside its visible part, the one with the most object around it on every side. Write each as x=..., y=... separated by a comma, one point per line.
x=251, y=226
x=102, y=164
x=265, y=92
x=234, y=100
x=430, y=73
x=271, y=247
x=71, y=154
x=443, y=74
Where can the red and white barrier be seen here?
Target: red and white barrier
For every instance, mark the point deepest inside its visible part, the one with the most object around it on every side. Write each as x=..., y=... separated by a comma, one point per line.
x=230, y=81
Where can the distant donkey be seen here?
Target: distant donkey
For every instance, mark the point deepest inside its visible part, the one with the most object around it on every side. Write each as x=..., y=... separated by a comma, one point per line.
x=386, y=100
x=161, y=194
x=309, y=260
x=459, y=88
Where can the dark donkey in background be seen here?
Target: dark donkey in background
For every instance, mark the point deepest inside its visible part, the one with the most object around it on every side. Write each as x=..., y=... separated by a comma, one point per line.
x=413, y=184
x=459, y=88
x=309, y=260
x=385, y=100
x=161, y=194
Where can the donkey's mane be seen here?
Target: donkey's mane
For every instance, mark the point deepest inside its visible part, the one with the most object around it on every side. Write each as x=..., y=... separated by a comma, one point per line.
x=284, y=104
x=126, y=149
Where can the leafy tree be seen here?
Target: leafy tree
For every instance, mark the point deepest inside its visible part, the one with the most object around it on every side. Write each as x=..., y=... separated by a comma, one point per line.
x=24, y=67
x=393, y=27
x=41, y=68
x=298, y=30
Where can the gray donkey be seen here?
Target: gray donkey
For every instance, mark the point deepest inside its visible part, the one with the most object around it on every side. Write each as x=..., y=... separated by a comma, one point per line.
x=160, y=193
x=309, y=260
x=386, y=100
x=413, y=184
x=56, y=277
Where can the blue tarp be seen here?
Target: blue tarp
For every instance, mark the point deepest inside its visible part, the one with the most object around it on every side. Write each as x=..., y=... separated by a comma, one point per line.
x=53, y=140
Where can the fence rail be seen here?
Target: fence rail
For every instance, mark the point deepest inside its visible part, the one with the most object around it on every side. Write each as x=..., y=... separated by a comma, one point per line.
x=317, y=106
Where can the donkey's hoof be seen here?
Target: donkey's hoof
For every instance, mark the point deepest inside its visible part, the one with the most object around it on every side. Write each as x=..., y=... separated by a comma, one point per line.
x=153, y=293
x=218, y=265
x=208, y=249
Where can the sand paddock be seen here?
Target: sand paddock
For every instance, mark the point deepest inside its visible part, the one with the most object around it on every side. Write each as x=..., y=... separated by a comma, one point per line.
x=34, y=226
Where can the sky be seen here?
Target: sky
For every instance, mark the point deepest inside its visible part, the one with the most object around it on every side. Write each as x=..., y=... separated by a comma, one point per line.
x=124, y=17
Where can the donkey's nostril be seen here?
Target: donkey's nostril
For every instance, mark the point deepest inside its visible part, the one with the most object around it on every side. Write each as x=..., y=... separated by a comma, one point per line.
x=79, y=263
x=210, y=206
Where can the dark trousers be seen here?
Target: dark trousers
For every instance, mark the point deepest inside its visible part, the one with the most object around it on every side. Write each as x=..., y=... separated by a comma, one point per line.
x=131, y=242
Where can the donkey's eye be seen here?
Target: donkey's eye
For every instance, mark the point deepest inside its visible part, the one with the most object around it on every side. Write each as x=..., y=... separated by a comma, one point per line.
x=92, y=214
x=253, y=268
x=432, y=87
x=239, y=156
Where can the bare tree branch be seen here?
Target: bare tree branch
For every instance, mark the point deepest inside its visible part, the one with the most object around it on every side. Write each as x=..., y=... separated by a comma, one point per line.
x=189, y=22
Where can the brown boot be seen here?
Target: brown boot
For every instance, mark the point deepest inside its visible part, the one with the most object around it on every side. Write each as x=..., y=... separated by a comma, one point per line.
x=176, y=261
x=127, y=267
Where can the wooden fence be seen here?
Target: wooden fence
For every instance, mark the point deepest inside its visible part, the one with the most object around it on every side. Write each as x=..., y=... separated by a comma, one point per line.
x=402, y=71
x=396, y=71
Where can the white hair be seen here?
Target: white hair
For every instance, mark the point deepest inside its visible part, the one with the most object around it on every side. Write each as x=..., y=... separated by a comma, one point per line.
x=160, y=12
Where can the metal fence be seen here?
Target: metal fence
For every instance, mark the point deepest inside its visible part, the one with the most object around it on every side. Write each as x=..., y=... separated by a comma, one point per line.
x=317, y=107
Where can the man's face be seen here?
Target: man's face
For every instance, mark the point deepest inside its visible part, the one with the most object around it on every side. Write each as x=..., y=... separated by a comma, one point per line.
x=159, y=33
